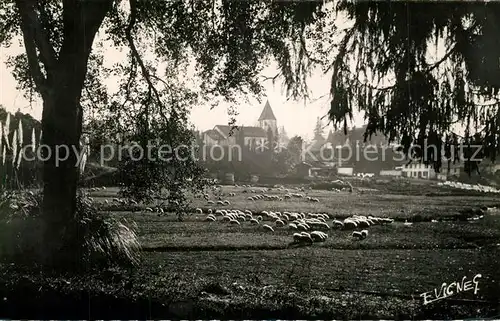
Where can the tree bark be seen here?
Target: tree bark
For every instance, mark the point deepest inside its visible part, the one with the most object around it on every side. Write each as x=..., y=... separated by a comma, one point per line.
x=62, y=123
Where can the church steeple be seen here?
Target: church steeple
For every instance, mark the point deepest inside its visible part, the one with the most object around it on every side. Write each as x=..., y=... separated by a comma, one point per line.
x=267, y=113
x=267, y=119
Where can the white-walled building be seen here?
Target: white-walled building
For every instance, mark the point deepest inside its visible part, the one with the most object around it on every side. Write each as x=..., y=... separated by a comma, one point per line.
x=418, y=170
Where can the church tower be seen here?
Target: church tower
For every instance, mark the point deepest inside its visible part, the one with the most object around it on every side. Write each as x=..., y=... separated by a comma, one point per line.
x=267, y=119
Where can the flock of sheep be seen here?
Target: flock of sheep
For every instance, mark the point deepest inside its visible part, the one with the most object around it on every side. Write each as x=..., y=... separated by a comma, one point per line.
x=478, y=187
x=308, y=228
x=261, y=195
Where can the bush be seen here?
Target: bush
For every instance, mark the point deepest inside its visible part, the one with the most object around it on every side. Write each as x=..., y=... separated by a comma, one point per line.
x=91, y=238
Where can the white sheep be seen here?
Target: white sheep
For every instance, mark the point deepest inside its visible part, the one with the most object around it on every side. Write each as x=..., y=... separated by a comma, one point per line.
x=357, y=235
x=302, y=238
x=349, y=224
x=279, y=222
x=318, y=236
x=337, y=223
x=364, y=233
x=268, y=227
x=254, y=221
x=233, y=221
x=210, y=218
x=292, y=226
x=199, y=211
x=302, y=226
x=363, y=223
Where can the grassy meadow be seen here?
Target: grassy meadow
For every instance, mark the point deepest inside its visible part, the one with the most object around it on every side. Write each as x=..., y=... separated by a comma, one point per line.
x=202, y=269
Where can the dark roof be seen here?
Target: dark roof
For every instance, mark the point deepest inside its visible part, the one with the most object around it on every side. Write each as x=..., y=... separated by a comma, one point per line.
x=253, y=131
x=212, y=133
x=354, y=134
x=250, y=131
x=225, y=129
x=267, y=113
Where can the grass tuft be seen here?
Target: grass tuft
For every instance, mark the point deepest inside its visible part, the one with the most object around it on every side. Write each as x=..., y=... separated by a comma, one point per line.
x=91, y=239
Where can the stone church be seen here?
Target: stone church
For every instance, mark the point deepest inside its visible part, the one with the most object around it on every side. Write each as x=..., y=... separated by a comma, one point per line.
x=253, y=136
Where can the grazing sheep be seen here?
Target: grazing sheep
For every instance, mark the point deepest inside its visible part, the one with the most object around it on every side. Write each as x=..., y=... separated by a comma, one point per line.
x=279, y=222
x=292, y=226
x=199, y=211
x=337, y=223
x=349, y=224
x=267, y=227
x=210, y=202
x=364, y=233
x=210, y=218
x=363, y=223
x=149, y=209
x=254, y=221
x=357, y=235
x=302, y=238
x=406, y=223
x=226, y=218
x=318, y=236
x=302, y=227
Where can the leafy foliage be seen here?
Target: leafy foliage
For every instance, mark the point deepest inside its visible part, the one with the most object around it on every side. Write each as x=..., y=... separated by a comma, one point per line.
x=295, y=149
x=385, y=69
x=164, y=157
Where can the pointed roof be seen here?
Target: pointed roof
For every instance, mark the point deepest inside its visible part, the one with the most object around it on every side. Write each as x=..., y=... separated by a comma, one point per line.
x=267, y=113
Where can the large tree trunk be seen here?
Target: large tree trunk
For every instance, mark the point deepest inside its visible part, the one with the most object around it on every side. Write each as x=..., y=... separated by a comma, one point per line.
x=61, y=125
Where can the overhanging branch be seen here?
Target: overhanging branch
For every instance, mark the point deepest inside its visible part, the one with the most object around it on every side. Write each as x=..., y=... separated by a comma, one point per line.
x=26, y=11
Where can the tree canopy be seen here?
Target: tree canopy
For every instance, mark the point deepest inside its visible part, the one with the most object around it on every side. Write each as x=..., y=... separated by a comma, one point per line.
x=382, y=65
x=385, y=67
